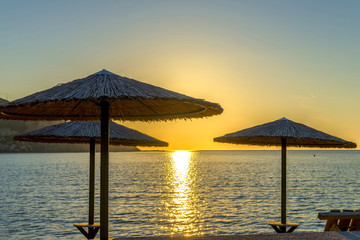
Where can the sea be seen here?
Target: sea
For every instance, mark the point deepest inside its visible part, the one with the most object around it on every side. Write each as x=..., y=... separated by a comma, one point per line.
x=156, y=193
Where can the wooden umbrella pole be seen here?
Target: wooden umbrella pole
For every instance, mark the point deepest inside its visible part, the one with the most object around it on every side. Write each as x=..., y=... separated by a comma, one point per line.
x=104, y=172
x=283, y=182
x=92, y=182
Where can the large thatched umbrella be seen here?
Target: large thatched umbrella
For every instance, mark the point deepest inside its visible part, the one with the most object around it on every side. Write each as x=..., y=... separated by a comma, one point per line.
x=89, y=133
x=103, y=96
x=284, y=132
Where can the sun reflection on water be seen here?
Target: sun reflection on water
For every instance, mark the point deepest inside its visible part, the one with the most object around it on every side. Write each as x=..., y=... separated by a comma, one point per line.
x=181, y=161
x=182, y=205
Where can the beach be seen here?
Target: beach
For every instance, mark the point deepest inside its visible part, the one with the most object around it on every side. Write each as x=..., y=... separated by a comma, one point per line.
x=284, y=236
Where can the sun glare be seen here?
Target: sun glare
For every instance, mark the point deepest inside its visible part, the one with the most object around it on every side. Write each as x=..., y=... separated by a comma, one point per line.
x=181, y=161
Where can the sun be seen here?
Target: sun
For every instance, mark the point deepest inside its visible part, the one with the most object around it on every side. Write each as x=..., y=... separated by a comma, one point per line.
x=181, y=160
x=181, y=155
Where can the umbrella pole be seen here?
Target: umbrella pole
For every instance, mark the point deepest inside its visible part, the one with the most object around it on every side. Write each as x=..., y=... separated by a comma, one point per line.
x=104, y=172
x=92, y=182
x=283, y=183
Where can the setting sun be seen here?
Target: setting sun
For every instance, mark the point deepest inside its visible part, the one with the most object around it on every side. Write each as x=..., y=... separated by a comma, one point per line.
x=181, y=156
x=204, y=91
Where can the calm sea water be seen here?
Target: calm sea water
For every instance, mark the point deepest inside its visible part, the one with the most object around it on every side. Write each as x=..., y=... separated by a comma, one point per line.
x=162, y=193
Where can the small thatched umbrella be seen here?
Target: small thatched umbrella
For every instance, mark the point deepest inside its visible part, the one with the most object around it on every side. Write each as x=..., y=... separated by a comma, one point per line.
x=83, y=132
x=103, y=96
x=284, y=132
x=89, y=133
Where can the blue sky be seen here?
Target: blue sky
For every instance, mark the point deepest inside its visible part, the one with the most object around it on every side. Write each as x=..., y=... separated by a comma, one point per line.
x=261, y=60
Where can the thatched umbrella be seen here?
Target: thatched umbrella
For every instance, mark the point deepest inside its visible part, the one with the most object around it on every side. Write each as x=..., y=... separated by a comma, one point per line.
x=102, y=96
x=128, y=99
x=83, y=132
x=89, y=133
x=284, y=132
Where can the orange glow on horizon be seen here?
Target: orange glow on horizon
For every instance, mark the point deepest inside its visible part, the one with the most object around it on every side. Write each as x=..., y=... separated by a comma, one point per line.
x=278, y=67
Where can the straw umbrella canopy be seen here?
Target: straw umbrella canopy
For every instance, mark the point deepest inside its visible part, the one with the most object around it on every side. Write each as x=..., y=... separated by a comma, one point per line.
x=89, y=133
x=284, y=132
x=83, y=132
x=103, y=96
x=129, y=99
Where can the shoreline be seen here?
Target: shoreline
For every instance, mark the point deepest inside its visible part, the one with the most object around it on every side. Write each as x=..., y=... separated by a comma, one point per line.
x=283, y=236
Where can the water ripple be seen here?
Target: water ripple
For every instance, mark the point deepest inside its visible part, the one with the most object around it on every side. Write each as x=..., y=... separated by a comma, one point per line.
x=155, y=193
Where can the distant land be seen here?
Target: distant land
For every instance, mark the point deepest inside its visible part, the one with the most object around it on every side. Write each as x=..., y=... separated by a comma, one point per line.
x=9, y=129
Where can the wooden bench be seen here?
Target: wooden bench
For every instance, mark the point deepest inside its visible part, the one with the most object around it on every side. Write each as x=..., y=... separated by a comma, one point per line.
x=337, y=220
x=281, y=228
x=92, y=229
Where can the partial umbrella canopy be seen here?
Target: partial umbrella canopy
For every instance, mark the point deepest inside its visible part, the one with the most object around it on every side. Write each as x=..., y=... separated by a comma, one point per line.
x=284, y=132
x=89, y=133
x=82, y=132
x=104, y=96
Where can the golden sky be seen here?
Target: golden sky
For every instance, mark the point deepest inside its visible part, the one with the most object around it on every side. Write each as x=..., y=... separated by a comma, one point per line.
x=261, y=60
